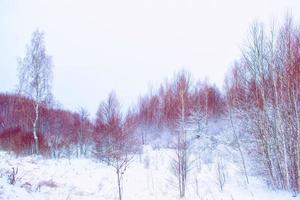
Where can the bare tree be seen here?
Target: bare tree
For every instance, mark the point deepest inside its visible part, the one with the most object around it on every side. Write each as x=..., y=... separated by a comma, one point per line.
x=115, y=143
x=83, y=132
x=35, y=77
x=181, y=163
x=269, y=101
x=230, y=98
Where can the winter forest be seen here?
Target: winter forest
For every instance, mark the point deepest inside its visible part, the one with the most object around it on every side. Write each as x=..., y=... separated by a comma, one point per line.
x=186, y=139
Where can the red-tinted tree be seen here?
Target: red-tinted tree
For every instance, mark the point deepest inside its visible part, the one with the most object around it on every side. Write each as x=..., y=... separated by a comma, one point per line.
x=20, y=142
x=114, y=137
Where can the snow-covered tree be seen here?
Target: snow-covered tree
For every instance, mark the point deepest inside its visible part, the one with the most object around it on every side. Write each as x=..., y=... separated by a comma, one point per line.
x=35, y=77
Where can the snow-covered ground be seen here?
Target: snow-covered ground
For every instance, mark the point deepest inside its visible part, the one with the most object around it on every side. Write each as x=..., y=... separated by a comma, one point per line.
x=148, y=177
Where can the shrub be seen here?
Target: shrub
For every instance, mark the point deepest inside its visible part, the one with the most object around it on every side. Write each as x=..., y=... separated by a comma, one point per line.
x=21, y=142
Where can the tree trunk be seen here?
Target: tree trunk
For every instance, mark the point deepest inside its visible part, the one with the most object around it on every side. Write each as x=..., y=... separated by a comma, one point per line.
x=182, y=151
x=119, y=184
x=35, y=137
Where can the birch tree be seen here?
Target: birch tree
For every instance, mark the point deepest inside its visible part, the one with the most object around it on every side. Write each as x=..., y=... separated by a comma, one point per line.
x=269, y=71
x=181, y=162
x=35, y=78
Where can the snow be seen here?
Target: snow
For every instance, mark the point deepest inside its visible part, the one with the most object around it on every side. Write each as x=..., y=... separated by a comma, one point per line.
x=147, y=178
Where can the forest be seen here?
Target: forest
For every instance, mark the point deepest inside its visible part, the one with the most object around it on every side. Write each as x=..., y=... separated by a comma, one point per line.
x=260, y=103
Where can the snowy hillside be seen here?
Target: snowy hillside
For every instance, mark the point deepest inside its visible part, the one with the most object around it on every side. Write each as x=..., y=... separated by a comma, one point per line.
x=148, y=177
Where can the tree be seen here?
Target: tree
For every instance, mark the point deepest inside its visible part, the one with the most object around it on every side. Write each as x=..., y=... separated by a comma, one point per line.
x=83, y=132
x=264, y=93
x=35, y=77
x=114, y=138
x=232, y=97
x=148, y=116
x=181, y=162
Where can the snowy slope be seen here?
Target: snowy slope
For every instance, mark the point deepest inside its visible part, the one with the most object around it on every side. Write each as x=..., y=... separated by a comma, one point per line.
x=148, y=177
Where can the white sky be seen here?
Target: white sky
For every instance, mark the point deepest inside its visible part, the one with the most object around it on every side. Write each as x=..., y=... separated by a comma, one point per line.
x=127, y=45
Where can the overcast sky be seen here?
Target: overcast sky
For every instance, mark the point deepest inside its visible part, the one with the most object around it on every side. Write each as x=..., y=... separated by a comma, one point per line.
x=127, y=45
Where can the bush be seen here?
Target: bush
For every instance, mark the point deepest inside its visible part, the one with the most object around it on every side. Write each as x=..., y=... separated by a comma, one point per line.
x=21, y=142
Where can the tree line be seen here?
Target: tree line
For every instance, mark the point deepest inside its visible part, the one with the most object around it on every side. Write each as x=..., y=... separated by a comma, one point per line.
x=263, y=91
